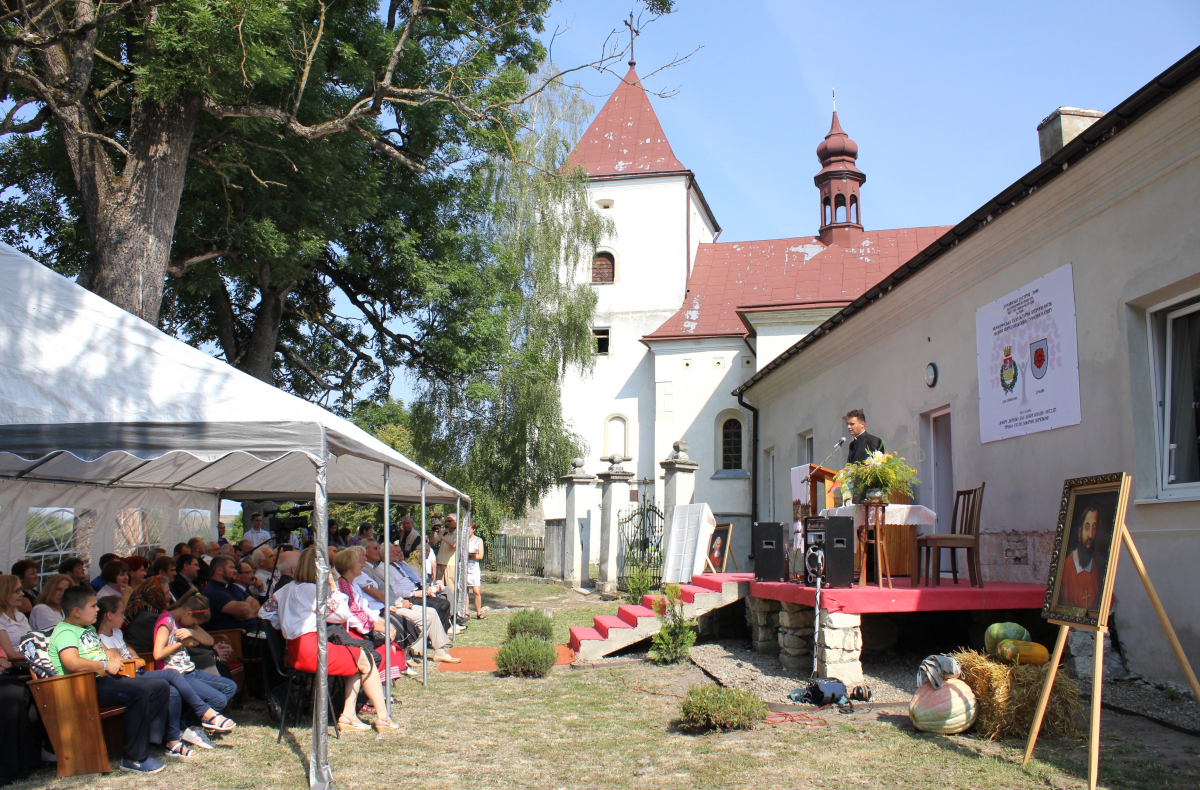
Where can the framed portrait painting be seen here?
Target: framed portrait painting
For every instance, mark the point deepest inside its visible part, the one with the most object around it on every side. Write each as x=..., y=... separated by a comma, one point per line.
x=718, y=547
x=1083, y=565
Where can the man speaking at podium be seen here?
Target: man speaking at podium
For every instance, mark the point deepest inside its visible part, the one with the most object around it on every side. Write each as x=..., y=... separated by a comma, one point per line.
x=863, y=442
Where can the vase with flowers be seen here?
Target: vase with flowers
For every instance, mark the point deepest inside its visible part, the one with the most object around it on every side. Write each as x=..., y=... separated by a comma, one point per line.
x=879, y=476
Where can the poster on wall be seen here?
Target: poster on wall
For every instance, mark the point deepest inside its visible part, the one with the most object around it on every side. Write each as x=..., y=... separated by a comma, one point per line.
x=1028, y=359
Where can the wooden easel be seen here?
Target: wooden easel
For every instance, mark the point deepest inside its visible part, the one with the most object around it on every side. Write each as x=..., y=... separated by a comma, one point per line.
x=1098, y=660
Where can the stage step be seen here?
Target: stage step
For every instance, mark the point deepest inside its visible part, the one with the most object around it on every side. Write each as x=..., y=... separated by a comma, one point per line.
x=634, y=624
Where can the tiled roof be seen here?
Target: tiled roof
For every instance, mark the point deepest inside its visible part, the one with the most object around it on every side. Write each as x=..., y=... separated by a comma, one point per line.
x=625, y=138
x=798, y=272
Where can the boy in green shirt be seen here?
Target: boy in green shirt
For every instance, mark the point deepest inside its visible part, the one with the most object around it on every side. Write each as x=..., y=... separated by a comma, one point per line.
x=75, y=647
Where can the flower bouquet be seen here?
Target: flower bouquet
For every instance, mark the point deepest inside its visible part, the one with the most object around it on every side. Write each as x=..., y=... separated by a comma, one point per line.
x=877, y=477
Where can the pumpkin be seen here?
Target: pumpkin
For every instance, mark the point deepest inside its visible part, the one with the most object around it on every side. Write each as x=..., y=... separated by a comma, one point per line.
x=998, y=632
x=1014, y=651
x=947, y=710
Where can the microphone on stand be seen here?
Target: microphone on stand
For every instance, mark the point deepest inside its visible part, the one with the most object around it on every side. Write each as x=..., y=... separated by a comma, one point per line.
x=831, y=452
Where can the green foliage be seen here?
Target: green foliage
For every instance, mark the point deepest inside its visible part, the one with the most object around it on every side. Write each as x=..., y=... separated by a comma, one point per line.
x=886, y=471
x=640, y=582
x=525, y=657
x=234, y=529
x=531, y=623
x=675, y=638
x=712, y=707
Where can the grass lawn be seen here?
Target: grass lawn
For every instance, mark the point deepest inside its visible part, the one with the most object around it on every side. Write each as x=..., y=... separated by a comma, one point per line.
x=600, y=728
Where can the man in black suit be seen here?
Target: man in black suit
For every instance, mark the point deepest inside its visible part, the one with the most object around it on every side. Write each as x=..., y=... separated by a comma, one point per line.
x=863, y=442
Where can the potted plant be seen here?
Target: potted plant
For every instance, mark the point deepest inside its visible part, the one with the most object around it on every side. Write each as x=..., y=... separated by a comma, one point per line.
x=874, y=479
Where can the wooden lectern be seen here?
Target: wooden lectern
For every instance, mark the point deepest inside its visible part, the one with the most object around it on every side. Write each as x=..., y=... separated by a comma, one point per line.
x=816, y=476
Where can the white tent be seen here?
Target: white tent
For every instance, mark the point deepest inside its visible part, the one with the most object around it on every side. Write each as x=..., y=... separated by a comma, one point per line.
x=114, y=435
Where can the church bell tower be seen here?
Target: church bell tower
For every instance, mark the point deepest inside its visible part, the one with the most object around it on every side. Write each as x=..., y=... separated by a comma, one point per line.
x=839, y=182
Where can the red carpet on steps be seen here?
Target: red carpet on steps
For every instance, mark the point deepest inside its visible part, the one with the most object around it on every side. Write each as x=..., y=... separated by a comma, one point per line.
x=479, y=659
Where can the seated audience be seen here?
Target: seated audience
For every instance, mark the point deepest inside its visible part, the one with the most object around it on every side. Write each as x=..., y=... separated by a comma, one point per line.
x=293, y=610
x=76, y=647
x=74, y=568
x=232, y=606
x=263, y=560
x=363, y=623
x=187, y=569
x=99, y=581
x=48, y=611
x=13, y=624
x=156, y=552
x=179, y=550
x=245, y=579
x=178, y=628
x=115, y=576
x=198, y=548
x=138, y=568
x=147, y=601
x=27, y=572
x=229, y=550
x=287, y=567
x=364, y=532
x=371, y=584
x=245, y=548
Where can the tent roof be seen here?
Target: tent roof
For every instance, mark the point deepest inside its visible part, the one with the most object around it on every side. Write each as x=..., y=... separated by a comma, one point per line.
x=92, y=394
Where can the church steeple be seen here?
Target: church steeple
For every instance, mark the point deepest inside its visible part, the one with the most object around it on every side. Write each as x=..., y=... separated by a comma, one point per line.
x=839, y=182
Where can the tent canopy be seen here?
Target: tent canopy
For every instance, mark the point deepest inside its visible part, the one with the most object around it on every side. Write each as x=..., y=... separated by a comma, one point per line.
x=92, y=395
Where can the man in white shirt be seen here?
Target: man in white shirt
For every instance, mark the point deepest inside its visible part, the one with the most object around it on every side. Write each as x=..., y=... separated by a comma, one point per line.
x=256, y=534
x=263, y=559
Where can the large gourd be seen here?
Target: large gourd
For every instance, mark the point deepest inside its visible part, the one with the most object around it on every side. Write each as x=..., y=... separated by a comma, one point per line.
x=947, y=710
x=1014, y=651
x=998, y=632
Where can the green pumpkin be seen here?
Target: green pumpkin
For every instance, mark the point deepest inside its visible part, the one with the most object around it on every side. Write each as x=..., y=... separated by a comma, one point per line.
x=998, y=632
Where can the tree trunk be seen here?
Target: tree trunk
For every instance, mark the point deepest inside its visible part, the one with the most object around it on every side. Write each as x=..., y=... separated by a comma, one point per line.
x=131, y=215
x=264, y=338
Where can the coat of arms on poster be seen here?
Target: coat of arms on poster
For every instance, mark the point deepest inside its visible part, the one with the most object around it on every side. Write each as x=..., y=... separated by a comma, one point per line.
x=1027, y=355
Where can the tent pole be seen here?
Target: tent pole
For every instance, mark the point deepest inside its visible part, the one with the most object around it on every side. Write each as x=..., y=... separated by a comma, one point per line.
x=320, y=775
x=387, y=598
x=424, y=591
x=463, y=574
x=457, y=564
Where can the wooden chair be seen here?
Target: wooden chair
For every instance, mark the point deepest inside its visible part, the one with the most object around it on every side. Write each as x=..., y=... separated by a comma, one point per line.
x=237, y=666
x=964, y=534
x=81, y=733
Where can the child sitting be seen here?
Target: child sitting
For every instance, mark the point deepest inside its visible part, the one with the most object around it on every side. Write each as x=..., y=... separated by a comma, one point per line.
x=176, y=629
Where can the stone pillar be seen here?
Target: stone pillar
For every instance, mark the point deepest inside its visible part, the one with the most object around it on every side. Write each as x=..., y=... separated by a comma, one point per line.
x=839, y=647
x=576, y=482
x=614, y=499
x=764, y=624
x=679, y=485
x=796, y=637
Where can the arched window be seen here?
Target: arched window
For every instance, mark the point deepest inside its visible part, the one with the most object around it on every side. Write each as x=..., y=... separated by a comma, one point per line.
x=604, y=268
x=840, y=208
x=614, y=436
x=731, y=444
x=854, y=209
x=827, y=213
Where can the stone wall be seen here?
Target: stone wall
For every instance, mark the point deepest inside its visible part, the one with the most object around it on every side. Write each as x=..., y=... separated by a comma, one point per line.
x=1012, y=556
x=788, y=629
x=796, y=636
x=763, y=615
x=839, y=647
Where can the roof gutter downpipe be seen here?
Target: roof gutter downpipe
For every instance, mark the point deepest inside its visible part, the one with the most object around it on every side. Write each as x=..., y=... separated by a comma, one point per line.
x=753, y=459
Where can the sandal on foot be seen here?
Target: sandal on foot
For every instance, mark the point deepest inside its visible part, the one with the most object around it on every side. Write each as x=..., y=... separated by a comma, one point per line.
x=218, y=723
x=385, y=725
x=352, y=726
x=368, y=708
x=180, y=749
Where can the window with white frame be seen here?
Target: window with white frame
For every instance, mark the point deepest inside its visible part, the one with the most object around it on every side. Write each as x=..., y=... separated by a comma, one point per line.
x=139, y=529
x=53, y=534
x=1175, y=331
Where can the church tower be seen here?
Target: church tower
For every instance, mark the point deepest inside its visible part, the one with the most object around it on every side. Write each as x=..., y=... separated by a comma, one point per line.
x=839, y=183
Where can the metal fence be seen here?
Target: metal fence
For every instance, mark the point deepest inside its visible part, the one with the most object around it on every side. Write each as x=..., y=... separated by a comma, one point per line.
x=516, y=554
x=641, y=531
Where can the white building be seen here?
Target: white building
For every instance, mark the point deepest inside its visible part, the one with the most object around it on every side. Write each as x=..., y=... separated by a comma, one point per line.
x=683, y=319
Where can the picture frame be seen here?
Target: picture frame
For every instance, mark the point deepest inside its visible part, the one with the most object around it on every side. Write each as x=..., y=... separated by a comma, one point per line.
x=717, y=553
x=1087, y=542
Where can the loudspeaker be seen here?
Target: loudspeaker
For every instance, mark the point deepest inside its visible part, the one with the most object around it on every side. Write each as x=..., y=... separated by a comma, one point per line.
x=839, y=551
x=769, y=543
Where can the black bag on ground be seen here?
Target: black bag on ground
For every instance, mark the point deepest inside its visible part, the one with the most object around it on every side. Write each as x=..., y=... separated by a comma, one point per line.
x=821, y=691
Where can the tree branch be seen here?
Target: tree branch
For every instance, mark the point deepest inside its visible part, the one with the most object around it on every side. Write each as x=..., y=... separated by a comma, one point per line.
x=177, y=268
x=312, y=53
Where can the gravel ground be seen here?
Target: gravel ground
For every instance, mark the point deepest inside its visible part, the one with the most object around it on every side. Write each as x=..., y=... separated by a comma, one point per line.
x=1160, y=704
x=733, y=664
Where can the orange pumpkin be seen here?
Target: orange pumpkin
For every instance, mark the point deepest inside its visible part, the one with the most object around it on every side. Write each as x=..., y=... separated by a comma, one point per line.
x=947, y=710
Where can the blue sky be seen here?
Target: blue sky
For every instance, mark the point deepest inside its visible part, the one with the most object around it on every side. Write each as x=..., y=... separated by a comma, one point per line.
x=943, y=99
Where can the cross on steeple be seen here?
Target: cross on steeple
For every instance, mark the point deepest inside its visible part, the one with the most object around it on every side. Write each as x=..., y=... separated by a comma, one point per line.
x=834, y=92
x=633, y=33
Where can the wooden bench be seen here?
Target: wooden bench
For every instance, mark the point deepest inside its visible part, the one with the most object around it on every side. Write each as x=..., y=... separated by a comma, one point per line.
x=82, y=734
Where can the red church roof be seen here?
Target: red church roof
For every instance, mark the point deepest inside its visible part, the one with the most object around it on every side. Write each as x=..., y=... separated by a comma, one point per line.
x=625, y=138
x=734, y=276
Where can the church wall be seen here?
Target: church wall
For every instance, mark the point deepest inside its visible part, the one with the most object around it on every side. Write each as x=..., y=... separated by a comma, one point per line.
x=1126, y=218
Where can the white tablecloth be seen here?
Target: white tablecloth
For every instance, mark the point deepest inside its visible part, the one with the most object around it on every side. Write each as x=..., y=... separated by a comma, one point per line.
x=893, y=514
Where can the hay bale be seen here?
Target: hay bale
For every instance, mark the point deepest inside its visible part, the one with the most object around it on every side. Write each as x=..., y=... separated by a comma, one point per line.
x=1008, y=696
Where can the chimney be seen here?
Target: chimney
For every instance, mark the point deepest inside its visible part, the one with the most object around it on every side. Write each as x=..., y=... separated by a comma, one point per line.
x=1062, y=126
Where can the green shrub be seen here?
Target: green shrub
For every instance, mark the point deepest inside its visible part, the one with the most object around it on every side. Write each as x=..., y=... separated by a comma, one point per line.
x=525, y=657
x=707, y=708
x=640, y=582
x=674, y=640
x=530, y=622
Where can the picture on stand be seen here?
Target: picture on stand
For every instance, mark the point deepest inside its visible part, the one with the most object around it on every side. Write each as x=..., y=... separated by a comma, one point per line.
x=718, y=547
x=1083, y=564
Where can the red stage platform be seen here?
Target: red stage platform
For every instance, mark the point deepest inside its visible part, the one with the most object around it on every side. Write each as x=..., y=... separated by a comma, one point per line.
x=900, y=598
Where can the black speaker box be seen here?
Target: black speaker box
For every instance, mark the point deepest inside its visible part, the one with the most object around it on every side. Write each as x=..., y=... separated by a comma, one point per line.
x=769, y=543
x=839, y=551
